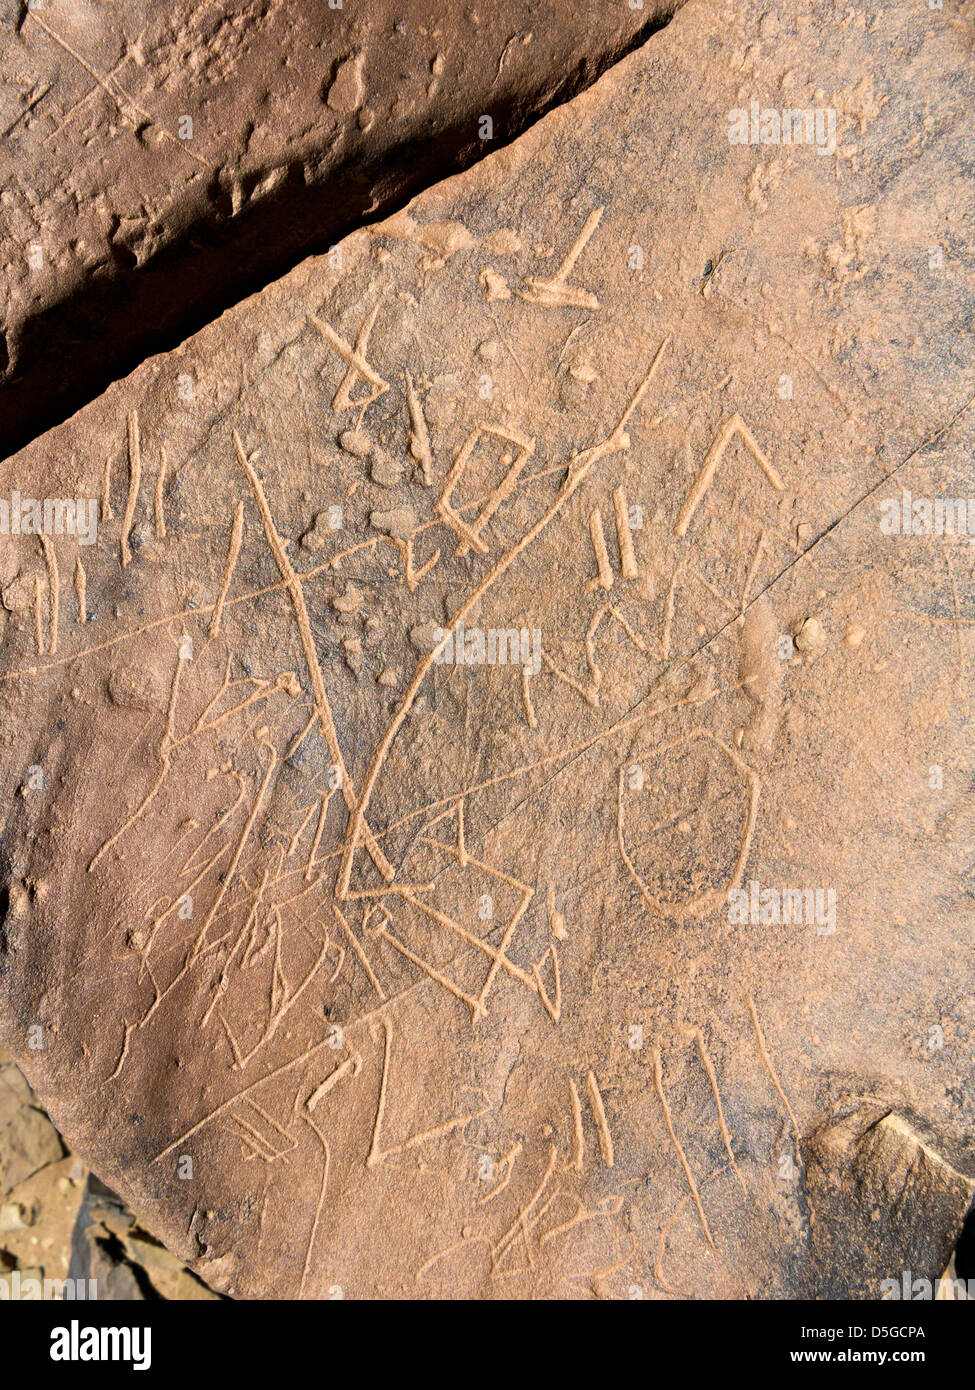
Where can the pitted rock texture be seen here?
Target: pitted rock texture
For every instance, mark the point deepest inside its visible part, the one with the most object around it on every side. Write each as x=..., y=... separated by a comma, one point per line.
x=160, y=161
x=357, y=969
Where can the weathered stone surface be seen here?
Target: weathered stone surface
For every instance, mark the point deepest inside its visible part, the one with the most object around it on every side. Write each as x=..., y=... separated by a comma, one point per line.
x=15, y=1094
x=906, y=1199
x=26, y=1146
x=483, y=1017
x=159, y=161
x=40, y=1190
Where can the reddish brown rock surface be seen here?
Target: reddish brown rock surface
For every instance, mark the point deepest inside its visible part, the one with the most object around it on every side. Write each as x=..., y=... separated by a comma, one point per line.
x=364, y=973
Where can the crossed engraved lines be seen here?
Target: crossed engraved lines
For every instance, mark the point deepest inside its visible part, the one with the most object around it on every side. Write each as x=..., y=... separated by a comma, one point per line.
x=322, y=706
x=550, y=292
x=264, y=1137
x=128, y=108
x=412, y=895
x=271, y=1142
x=470, y=537
x=263, y=915
x=579, y=466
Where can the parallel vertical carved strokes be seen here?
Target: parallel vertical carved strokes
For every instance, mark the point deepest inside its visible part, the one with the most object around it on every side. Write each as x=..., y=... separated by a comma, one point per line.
x=624, y=536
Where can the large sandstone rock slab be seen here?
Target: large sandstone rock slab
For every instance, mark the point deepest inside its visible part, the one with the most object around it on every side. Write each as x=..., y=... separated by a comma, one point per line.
x=160, y=161
x=362, y=971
